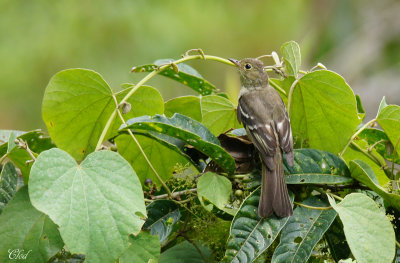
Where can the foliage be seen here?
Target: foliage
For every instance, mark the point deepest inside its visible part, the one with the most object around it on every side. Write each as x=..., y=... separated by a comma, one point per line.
x=133, y=178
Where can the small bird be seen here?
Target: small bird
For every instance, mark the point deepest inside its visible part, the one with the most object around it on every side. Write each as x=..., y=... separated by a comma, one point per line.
x=265, y=118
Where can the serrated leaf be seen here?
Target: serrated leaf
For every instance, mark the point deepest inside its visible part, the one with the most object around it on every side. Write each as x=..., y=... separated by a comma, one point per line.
x=219, y=114
x=165, y=157
x=312, y=166
x=143, y=248
x=189, y=131
x=292, y=57
x=26, y=230
x=185, y=252
x=185, y=75
x=162, y=215
x=99, y=199
x=389, y=120
x=251, y=235
x=8, y=184
x=303, y=231
x=362, y=220
x=187, y=105
x=215, y=189
x=318, y=99
x=363, y=173
x=76, y=106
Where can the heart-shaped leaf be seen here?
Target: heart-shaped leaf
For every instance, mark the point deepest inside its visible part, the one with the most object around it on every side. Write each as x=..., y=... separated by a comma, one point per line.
x=99, y=199
x=185, y=75
x=191, y=132
x=219, y=114
x=363, y=173
x=8, y=184
x=251, y=235
x=292, y=57
x=362, y=220
x=303, y=231
x=162, y=215
x=186, y=105
x=26, y=232
x=144, y=248
x=318, y=98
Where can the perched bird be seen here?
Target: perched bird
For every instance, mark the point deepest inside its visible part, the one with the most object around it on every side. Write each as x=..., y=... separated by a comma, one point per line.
x=265, y=118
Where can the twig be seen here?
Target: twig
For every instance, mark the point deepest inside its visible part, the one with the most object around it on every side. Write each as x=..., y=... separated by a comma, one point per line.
x=356, y=134
x=176, y=194
x=313, y=207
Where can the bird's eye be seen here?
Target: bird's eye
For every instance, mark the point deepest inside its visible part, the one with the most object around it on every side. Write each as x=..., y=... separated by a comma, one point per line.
x=247, y=66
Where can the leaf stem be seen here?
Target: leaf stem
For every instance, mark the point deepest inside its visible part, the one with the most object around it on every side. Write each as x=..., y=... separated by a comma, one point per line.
x=289, y=105
x=176, y=194
x=278, y=88
x=313, y=207
x=397, y=243
x=355, y=135
x=142, y=151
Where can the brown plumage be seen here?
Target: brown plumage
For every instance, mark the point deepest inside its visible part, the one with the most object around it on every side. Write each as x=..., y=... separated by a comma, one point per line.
x=264, y=115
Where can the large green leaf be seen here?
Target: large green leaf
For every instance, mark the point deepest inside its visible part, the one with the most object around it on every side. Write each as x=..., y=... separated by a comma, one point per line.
x=191, y=132
x=98, y=200
x=185, y=75
x=186, y=252
x=352, y=153
x=389, y=120
x=165, y=158
x=312, y=166
x=76, y=106
x=303, y=231
x=323, y=111
x=219, y=114
x=26, y=230
x=368, y=231
x=8, y=184
x=162, y=215
x=187, y=105
x=292, y=57
x=215, y=189
x=144, y=248
x=144, y=101
x=251, y=235
x=362, y=172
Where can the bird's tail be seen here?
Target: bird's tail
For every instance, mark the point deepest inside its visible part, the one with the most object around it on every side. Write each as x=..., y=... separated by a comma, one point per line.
x=274, y=194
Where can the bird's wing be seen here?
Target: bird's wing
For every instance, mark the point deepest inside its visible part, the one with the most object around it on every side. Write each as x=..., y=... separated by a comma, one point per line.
x=261, y=130
x=284, y=131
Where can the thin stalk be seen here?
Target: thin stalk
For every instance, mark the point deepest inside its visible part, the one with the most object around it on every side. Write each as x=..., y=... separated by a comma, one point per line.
x=356, y=134
x=147, y=78
x=289, y=105
x=313, y=207
x=278, y=88
x=143, y=153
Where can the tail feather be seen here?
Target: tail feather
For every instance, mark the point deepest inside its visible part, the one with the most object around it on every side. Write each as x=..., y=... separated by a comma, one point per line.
x=274, y=194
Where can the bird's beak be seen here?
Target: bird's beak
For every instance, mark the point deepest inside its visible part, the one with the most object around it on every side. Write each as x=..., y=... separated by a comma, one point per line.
x=234, y=61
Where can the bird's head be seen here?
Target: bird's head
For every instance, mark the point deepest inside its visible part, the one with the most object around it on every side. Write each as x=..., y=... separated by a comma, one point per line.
x=252, y=72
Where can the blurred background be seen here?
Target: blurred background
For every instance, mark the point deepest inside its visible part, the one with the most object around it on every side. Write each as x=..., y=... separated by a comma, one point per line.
x=358, y=39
